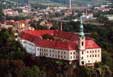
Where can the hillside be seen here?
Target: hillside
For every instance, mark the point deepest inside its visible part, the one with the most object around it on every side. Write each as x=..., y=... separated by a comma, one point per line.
x=62, y=2
x=73, y=1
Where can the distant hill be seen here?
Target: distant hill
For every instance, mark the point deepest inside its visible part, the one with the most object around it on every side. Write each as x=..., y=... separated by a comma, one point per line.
x=80, y=1
x=73, y=1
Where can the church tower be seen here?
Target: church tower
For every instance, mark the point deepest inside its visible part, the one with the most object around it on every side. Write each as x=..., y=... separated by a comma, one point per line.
x=81, y=46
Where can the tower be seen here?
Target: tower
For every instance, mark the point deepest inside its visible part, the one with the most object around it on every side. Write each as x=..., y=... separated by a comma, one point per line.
x=81, y=44
x=81, y=36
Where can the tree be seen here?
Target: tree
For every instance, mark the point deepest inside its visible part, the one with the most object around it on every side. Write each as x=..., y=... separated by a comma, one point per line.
x=102, y=19
x=107, y=59
x=4, y=36
x=31, y=72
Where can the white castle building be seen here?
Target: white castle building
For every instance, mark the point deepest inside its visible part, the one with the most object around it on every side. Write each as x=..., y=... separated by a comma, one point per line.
x=62, y=45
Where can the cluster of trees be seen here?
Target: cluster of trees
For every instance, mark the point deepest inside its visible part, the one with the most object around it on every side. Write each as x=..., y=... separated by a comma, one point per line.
x=13, y=58
x=36, y=25
x=16, y=18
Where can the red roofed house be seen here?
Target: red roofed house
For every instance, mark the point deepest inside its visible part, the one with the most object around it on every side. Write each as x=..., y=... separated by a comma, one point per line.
x=62, y=46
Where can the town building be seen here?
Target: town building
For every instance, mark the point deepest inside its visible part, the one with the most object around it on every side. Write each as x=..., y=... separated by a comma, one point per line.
x=10, y=12
x=60, y=45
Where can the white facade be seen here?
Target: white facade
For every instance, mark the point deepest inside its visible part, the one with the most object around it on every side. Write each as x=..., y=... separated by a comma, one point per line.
x=84, y=56
x=90, y=56
x=49, y=52
x=29, y=46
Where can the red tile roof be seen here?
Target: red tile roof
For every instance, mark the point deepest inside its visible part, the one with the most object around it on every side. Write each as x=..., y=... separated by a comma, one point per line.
x=66, y=35
x=57, y=45
x=90, y=43
x=72, y=43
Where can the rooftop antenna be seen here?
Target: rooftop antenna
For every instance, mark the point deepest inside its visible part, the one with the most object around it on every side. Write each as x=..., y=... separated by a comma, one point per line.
x=28, y=3
x=17, y=3
x=70, y=4
x=61, y=24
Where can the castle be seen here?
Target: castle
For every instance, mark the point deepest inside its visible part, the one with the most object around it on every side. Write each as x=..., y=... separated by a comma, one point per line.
x=62, y=45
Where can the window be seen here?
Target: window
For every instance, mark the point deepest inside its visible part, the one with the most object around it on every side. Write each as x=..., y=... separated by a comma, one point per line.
x=71, y=57
x=82, y=43
x=82, y=52
x=61, y=52
x=40, y=53
x=98, y=51
x=46, y=54
x=44, y=49
x=58, y=56
x=64, y=52
x=82, y=62
x=90, y=55
x=61, y=57
x=73, y=52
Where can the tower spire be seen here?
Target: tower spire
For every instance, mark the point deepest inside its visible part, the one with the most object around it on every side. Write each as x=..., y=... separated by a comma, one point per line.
x=81, y=27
